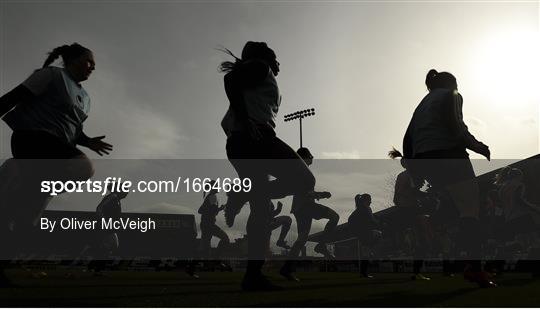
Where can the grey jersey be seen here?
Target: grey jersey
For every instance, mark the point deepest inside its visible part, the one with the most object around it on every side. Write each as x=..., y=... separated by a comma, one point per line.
x=60, y=107
x=437, y=124
x=262, y=105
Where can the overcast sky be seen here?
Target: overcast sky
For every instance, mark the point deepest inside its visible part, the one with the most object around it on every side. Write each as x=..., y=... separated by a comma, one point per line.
x=157, y=93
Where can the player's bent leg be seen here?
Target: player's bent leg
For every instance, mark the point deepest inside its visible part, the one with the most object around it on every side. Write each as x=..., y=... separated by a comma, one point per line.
x=292, y=174
x=333, y=219
x=303, y=224
x=285, y=223
x=235, y=202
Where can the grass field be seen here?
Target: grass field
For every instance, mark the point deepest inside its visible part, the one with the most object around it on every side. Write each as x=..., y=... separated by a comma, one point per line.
x=176, y=289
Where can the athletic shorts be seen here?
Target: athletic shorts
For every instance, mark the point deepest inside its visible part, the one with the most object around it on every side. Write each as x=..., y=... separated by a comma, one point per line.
x=313, y=210
x=41, y=145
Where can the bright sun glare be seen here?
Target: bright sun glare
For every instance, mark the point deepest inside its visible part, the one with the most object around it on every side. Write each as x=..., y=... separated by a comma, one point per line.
x=507, y=65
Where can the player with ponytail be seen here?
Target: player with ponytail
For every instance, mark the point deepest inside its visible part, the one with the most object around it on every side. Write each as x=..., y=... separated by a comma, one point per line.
x=256, y=152
x=437, y=139
x=46, y=113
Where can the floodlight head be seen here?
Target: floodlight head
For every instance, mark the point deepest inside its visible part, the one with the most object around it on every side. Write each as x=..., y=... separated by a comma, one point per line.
x=299, y=114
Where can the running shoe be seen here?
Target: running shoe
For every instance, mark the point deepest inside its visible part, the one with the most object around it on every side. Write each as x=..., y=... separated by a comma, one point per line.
x=288, y=274
x=322, y=249
x=420, y=277
x=283, y=244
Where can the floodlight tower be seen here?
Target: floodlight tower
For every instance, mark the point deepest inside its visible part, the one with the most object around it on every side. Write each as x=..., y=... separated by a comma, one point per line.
x=300, y=115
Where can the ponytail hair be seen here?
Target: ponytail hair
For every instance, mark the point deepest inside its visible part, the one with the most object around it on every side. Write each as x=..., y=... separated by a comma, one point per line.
x=436, y=80
x=228, y=66
x=394, y=153
x=251, y=50
x=67, y=52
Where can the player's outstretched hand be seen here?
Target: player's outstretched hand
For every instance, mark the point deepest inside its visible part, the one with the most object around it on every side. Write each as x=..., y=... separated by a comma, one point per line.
x=326, y=194
x=99, y=146
x=320, y=195
x=482, y=149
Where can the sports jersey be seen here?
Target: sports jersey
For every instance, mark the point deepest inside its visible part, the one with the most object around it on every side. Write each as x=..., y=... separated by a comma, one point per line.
x=60, y=107
x=262, y=103
x=405, y=191
x=437, y=124
x=209, y=209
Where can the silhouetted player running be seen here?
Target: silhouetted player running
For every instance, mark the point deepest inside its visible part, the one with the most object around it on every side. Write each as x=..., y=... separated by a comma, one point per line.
x=106, y=242
x=363, y=224
x=305, y=210
x=277, y=221
x=406, y=196
x=256, y=152
x=280, y=221
x=209, y=210
x=438, y=138
x=111, y=208
x=46, y=113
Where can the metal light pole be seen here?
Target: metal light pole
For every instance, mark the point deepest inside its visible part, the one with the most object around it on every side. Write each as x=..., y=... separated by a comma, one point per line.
x=300, y=115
